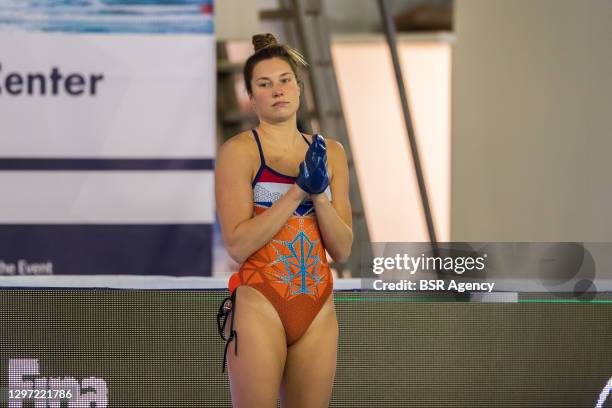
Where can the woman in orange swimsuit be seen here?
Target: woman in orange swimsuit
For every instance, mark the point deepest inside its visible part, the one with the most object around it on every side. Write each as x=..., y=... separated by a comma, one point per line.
x=282, y=200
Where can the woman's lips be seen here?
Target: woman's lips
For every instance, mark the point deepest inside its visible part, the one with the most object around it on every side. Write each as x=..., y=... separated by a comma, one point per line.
x=280, y=104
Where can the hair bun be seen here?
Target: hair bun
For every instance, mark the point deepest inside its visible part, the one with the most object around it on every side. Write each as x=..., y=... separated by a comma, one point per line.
x=261, y=41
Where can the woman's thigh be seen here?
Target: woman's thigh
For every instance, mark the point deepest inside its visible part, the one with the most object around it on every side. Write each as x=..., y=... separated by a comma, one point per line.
x=311, y=363
x=256, y=371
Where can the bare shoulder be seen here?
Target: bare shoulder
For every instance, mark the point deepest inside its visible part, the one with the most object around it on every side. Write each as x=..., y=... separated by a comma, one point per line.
x=334, y=146
x=238, y=145
x=239, y=155
x=335, y=151
x=241, y=149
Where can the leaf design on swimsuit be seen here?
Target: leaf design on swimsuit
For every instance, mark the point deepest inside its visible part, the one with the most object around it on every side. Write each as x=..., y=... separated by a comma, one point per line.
x=300, y=262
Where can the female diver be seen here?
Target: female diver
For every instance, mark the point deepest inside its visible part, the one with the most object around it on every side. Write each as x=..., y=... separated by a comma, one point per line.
x=282, y=201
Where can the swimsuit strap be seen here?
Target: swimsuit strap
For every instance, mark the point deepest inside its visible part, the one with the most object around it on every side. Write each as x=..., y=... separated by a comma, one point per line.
x=261, y=155
x=262, y=159
x=228, y=305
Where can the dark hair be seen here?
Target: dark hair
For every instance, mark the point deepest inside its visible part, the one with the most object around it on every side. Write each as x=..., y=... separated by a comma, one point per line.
x=266, y=47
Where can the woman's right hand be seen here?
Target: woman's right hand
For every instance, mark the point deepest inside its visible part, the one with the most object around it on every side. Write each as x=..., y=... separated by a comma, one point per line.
x=313, y=177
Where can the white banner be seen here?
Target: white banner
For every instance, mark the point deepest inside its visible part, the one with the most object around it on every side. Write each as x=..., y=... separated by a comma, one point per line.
x=107, y=137
x=66, y=95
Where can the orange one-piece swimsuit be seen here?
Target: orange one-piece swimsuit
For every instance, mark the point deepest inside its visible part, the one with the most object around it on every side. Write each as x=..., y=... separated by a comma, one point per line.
x=291, y=270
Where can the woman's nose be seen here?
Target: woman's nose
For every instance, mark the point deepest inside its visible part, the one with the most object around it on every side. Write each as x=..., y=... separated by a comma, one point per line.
x=277, y=90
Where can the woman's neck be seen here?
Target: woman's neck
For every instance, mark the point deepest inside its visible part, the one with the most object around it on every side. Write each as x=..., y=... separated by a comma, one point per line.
x=280, y=134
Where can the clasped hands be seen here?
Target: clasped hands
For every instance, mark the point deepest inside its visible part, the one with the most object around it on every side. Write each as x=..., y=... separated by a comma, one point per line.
x=313, y=177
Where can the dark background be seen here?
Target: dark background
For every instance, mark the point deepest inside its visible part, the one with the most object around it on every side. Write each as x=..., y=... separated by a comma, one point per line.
x=161, y=348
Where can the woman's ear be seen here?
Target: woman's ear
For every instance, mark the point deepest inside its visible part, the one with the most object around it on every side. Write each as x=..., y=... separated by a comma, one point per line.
x=252, y=101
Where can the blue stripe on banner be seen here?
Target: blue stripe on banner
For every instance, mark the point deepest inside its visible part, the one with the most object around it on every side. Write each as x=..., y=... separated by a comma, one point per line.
x=109, y=16
x=84, y=249
x=105, y=164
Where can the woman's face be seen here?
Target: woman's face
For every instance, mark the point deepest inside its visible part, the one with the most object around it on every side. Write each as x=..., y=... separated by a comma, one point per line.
x=275, y=91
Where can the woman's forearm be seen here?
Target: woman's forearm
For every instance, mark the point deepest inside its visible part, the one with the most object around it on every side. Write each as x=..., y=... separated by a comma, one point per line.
x=336, y=234
x=252, y=234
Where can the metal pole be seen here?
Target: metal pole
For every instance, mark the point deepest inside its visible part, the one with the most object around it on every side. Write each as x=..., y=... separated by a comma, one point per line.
x=389, y=28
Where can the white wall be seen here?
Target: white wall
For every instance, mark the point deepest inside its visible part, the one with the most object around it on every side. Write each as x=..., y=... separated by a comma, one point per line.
x=379, y=142
x=236, y=19
x=532, y=120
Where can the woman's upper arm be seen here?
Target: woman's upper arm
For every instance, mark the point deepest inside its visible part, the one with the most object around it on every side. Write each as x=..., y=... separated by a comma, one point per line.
x=339, y=182
x=233, y=191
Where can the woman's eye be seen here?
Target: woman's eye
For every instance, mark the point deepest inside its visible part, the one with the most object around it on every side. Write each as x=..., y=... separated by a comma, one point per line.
x=285, y=80
x=264, y=84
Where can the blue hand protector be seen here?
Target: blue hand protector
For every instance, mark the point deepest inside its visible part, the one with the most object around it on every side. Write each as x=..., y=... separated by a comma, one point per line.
x=313, y=176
